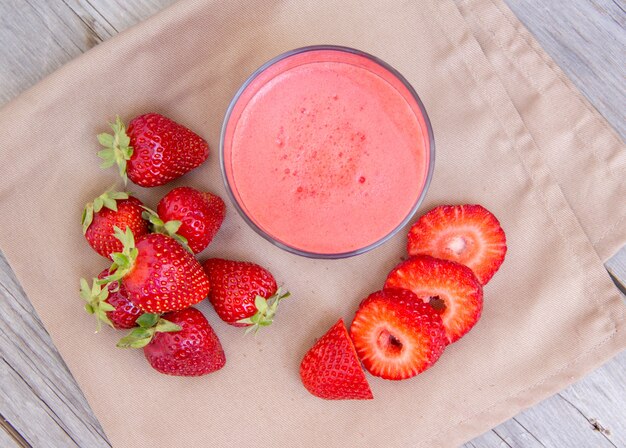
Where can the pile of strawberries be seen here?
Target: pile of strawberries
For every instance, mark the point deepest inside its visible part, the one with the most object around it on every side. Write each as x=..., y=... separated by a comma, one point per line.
x=428, y=301
x=154, y=277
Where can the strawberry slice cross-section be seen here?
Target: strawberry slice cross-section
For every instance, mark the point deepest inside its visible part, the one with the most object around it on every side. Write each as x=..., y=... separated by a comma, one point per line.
x=468, y=234
x=397, y=335
x=449, y=287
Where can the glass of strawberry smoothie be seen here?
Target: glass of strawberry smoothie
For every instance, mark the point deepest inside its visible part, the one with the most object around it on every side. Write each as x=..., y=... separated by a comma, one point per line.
x=326, y=151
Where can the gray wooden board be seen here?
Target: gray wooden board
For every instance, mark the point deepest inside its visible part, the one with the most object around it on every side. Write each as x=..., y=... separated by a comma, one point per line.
x=40, y=403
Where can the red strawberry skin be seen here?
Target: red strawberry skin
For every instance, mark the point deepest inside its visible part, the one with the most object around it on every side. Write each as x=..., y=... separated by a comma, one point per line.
x=454, y=284
x=201, y=215
x=99, y=234
x=397, y=335
x=193, y=351
x=126, y=312
x=331, y=369
x=165, y=277
x=468, y=234
x=163, y=150
x=234, y=286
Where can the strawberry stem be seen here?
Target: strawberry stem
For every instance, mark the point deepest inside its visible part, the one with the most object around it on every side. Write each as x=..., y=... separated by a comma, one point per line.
x=107, y=199
x=96, y=296
x=149, y=325
x=266, y=310
x=168, y=228
x=117, y=149
x=124, y=261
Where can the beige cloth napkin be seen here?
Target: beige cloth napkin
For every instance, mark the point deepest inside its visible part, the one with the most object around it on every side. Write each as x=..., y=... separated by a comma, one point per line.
x=511, y=132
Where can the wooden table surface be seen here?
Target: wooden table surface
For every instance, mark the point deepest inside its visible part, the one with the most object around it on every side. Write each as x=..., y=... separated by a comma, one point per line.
x=40, y=403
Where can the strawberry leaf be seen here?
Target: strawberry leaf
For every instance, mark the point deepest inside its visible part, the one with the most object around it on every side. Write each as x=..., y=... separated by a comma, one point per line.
x=147, y=320
x=106, y=140
x=105, y=306
x=87, y=217
x=102, y=317
x=107, y=199
x=120, y=259
x=96, y=297
x=165, y=326
x=182, y=241
x=124, y=261
x=266, y=310
x=139, y=337
x=261, y=304
x=172, y=226
x=117, y=149
x=108, y=157
x=168, y=228
x=150, y=324
x=97, y=204
x=110, y=203
x=85, y=290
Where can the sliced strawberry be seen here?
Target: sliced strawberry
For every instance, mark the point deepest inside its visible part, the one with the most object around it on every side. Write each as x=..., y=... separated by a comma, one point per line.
x=449, y=287
x=397, y=335
x=331, y=368
x=467, y=234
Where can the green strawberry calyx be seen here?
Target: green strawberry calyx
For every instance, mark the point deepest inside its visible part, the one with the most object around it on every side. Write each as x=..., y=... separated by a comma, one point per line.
x=168, y=228
x=149, y=325
x=117, y=149
x=266, y=310
x=124, y=261
x=107, y=199
x=96, y=297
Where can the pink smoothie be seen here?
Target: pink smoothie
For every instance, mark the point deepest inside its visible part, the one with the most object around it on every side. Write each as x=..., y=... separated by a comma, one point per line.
x=326, y=151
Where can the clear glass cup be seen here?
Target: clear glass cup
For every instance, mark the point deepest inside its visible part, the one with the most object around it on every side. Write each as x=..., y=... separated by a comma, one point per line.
x=243, y=96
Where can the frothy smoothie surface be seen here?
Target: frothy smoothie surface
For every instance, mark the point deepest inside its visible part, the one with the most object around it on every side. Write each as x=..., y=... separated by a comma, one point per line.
x=326, y=151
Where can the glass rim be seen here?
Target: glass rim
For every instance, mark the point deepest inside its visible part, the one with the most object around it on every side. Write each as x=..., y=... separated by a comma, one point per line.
x=275, y=241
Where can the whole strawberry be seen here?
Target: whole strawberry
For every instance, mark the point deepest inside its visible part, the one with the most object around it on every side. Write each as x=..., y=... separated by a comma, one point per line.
x=243, y=293
x=190, y=216
x=153, y=151
x=180, y=343
x=158, y=273
x=109, y=303
x=331, y=369
x=109, y=210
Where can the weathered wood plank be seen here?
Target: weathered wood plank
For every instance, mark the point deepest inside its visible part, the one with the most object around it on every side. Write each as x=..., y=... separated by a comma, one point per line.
x=9, y=437
x=490, y=439
x=600, y=398
x=586, y=38
x=38, y=37
x=573, y=418
x=617, y=268
x=588, y=413
x=40, y=398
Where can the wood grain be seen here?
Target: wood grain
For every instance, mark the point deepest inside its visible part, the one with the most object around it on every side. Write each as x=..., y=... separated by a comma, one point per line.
x=40, y=400
x=587, y=39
